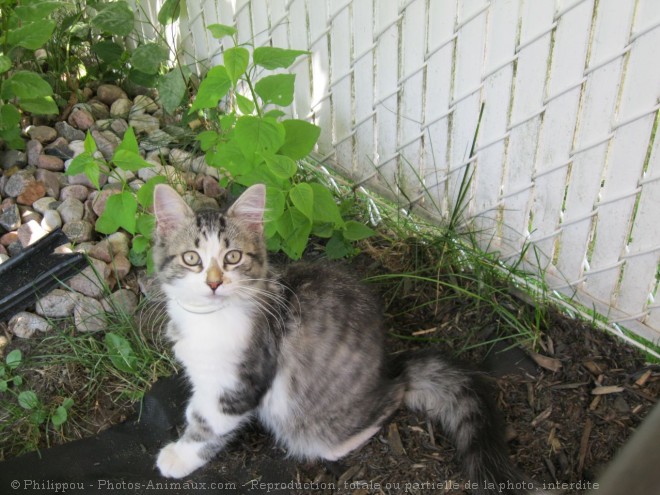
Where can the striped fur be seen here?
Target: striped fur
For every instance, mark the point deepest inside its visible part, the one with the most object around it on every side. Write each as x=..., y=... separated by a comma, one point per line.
x=301, y=351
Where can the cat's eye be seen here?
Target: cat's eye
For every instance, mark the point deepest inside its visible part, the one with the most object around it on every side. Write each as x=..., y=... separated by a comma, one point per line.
x=191, y=258
x=233, y=257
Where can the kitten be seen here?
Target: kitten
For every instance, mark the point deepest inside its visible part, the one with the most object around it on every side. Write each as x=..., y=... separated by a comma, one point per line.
x=302, y=352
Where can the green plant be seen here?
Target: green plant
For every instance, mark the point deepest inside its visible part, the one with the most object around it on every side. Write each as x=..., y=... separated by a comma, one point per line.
x=11, y=382
x=127, y=209
x=24, y=28
x=252, y=142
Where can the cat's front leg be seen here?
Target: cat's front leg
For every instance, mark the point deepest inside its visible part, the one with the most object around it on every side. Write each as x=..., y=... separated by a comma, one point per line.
x=202, y=439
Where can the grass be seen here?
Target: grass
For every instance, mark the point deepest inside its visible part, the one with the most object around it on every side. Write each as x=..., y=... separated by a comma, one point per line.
x=102, y=378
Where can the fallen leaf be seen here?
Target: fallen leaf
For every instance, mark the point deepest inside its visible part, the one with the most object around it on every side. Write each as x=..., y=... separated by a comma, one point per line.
x=546, y=362
x=609, y=389
x=641, y=381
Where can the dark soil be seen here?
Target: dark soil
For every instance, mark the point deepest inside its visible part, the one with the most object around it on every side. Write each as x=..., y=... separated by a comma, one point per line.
x=558, y=429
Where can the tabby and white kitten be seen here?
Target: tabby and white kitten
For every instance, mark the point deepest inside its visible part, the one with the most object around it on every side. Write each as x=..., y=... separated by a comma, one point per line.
x=302, y=352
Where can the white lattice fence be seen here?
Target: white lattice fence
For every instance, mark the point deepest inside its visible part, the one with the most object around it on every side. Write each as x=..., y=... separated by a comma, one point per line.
x=567, y=155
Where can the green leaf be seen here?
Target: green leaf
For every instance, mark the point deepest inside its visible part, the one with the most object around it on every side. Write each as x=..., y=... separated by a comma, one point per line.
x=355, y=231
x=108, y=51
x=121, y=353
x=207, y=139
x=84, y=163
x=302, y=197
x=277, y=89
x=337, y=248
x=128, y=160
x=25, y=84
x=18, y=380
x=325, y=207
x=142, y=78
x=280, y=166
x=10, y=117
x=106, y=225
x=38, y=416
x=169, y=12
x=245, y=105
x=274, y=113
x=236, y=62
x=256, y=135
x=36, y=11
x=275, y=58
x=325, y=230
x=31, y=35
x=171, y=89
x=115, y=18
x=275, y=204
x=13, y=359
x=28, y=400
x=3, y=386
x=59, y=417
x=140, y=244
x=148, y=58
x=221, y=30
x=145, y=194
x=294, y=227
x=89, y=144
x=137, y=258
x=145, y=225
x=213, y=88
x=43, y=105
x=300, y=138
x=122, y=209
x=129, y=142
x=5, y=63
x=67, y=403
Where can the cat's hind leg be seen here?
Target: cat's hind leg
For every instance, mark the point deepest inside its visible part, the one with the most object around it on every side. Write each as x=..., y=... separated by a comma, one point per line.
x=202, y=439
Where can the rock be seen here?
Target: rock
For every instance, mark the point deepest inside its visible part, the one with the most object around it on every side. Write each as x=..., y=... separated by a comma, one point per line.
x=117, y=126
x=99, y=110
x=120, y=176
x=69, y=133
x=89, y=215
x=101, y=251
x=147, y=173
x=34, y=191
x=212, y=189
x=109, y=93
x=51, y=221
x=121, y=108
x=13, y=158
x=59, y=148
x=77, y=147
x=3, y=256
x=10, y=218
x=51, y=180
x=119, y=243
x=42, y=133
x=3, y=250
x=49, y=162
x=30, y=232
x=149, y=286
x=18, y=182
x=181, y=159
x=78, y=231
x=120, y=266
x=88, y=315
x=71, y=210
x=144, y=103
x=76, y=191
x=82, y=179
x=99, y=201
x=33, y=150
x=157, y=142
x=106, y=142
x=122, y=301
x=28, y=214
x=43, y=205
x=15, y=248
x=58, y=303
x=25, y=325
x=144, y=123
x=9, y=238
x=81, y=118
x=90, y=282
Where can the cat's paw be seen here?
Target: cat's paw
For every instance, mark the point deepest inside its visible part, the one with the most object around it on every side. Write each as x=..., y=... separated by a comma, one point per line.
x=178, y=459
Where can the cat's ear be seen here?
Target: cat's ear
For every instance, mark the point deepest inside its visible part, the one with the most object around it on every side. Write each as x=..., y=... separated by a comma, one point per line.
x=170, y=209
x=249, y=208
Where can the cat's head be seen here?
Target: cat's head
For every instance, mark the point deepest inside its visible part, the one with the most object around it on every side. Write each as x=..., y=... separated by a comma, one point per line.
x=203, y=258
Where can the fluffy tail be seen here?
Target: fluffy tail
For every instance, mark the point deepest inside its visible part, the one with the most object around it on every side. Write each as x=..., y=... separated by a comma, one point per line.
x=459, y=401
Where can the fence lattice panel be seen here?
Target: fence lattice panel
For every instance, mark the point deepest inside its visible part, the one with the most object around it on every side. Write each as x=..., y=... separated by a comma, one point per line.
x=567, y=156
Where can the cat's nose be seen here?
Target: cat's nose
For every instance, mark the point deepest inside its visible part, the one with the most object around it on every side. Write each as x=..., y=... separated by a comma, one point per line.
x=213, y=285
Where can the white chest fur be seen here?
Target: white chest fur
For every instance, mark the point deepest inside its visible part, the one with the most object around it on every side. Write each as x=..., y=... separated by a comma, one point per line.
x=211, y=346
